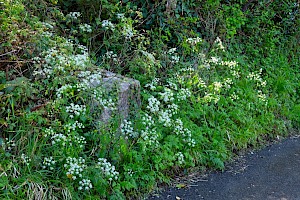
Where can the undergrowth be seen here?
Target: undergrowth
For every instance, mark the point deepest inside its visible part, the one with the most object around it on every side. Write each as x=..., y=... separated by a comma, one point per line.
x=210, y=86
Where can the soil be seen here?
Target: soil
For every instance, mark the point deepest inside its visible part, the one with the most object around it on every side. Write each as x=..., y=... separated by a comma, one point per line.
x=272, y=173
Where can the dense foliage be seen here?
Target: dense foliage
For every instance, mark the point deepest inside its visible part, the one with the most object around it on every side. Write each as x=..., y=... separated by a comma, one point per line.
x=216, y=77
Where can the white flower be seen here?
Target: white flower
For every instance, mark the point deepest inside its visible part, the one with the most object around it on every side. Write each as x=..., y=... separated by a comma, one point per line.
x=110, y=55
x=217, y=86
x=180, y=158
x=120, y=16
x=167, y=96
x=165, y=118
x=74, y=15
x=75, y=167
x=85, y=28
x=183, y=94
x=153, y=84
x=227, y=83
x=150, y=136
x=219, y=44
x=75, y=109
x=215, y=60
x=127, y=31
x=106, y=24
x=234, y=96
x=127, y=130
x=153, y=105
x=8, y=145
x=49, y=163
x=108, y=169
x=25, y=159
x=194, y=41
x=147, y=120
x=85, y=184
x=175, y=59
x=172, y=51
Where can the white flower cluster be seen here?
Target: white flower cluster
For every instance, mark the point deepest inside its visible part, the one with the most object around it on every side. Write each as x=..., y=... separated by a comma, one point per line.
x=85, y=184
x=73, y=15
x=172, y=51
x=254, y=76
x=59, y=138
x=167, y=95
x=75, y=109
x=94, y=79
x=215, y=60
x=84, y=74
x=194, y=41
x=127, y=130
x=129, y=172
x=80, y=61
x=153, y=105
x=120, y=16
x=217, y=86
x=185, y=133
x=150, y=136
x=173, y=56
x=180, y=158
x=172, y=108
x=202, y=83
x=165, y=117
x=57, y=61
x=219, y=44
x=90, y=79
x=235, y=73
x=48, y=132
x=106, y=103
x=86, y=28
x=187, y=69
x=257, y=77
x=49, y=163
x=153, y=84
x=183, y=94
x=230, y=64
x=108, y=169
x=63, y=89
x=106, y=24
x=70, y=140
x=25, y=159
x=83, y=49
x=127, y=31
x=79, y=140
x=37, y=60
x=9, y=145
x=74, y=167
x=110, y=55
x=73, y=126
x=147, y=120
x=227, y=83
x=261, y=96
x=234, y=96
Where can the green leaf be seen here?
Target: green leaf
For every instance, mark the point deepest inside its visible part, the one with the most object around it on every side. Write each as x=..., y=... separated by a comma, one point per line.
x=2, y=86
x=3, y=181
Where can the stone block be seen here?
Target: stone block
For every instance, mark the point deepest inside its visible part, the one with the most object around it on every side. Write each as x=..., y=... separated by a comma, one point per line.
x=128, y=92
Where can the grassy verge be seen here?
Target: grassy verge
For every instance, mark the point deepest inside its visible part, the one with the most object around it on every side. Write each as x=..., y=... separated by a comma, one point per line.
x=204, y=97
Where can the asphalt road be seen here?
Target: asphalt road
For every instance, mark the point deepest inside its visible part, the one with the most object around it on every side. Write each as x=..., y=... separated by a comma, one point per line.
x=269, y=174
